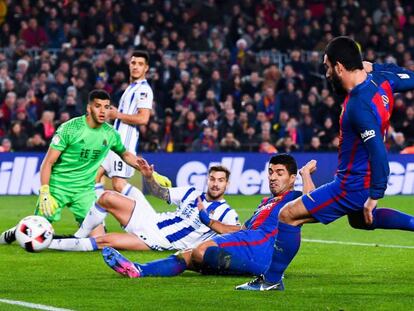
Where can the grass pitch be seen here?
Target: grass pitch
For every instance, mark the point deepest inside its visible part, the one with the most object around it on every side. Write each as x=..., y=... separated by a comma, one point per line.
x=322, y=276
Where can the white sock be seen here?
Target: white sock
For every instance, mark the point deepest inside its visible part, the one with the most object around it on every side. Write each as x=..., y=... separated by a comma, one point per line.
x=74, y=245
x=134, y=193
x=99, y=189
x=95, y=217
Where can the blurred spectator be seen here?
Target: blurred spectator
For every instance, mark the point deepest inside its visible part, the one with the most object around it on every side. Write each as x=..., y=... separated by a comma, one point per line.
x=189, y=130
x=45, y=126
x=36, y=143
x=230, y=124
x=17, y=137
x=206, y=141
x=6, y=145
x=315, y=145
x=399, y=142
x=229, y=143
x=270, y=105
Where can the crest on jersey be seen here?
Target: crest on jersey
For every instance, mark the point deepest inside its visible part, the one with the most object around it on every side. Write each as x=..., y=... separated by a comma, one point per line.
x=105, y=143
x=55, y=140
x=385, y=99
x=143, y=95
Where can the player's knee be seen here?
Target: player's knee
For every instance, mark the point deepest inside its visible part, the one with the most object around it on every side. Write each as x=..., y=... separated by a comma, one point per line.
x=217, y=258
x=357, y=221
x=197, y=253
x=106, y=198
x=118, y=184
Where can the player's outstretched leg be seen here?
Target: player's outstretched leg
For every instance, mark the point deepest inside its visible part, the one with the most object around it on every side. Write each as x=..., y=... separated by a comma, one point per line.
x=8, y=236
x=384, y=218
x=170, y=266
x=260, y=284
x=119, y=263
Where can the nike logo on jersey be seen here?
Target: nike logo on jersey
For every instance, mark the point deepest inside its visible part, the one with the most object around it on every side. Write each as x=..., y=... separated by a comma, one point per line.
x=368, y=134
x=403, y=76
x=310, y=198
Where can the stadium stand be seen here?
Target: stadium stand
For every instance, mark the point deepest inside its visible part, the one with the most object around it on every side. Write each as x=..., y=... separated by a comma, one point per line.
x=248, y=71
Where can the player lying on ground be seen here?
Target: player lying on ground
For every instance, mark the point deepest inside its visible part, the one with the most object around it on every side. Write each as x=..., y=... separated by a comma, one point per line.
x=239, y=250
x=68, y=171
x=146, y=229
x=361, y=178
x=134, y=110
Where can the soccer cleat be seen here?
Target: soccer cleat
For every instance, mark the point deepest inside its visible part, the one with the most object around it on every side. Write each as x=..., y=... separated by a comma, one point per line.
x=260, y=284
x=119, y=263
x=8, y=236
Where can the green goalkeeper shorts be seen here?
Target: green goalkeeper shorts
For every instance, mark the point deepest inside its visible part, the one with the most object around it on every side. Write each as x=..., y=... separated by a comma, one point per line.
x=78, y=203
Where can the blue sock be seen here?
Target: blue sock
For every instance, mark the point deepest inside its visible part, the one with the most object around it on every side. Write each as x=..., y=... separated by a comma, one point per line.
x=386, y=218
x=222, y=262
x=286, y=246
x=170, y=266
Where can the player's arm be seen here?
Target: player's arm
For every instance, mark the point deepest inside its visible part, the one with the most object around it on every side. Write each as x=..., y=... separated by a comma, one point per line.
x=51, y=157
x=306, y=171
x=130, y=159
x=47, y=203
x=140, y=118
x=401, y=79
x=365, y=123
x=215, y=225
x=155, y=188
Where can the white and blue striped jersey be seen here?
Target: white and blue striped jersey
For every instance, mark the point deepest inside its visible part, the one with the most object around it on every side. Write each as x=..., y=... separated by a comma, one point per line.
x=183, y=228
x=137, y=95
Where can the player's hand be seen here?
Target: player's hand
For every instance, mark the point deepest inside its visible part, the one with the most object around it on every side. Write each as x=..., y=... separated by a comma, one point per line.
x=308, y=168
x=162, y=180
x=47, y=203
x=369, y=206
x=145, y=169
x=113, y=113
x=202, y=213
x=367, y=66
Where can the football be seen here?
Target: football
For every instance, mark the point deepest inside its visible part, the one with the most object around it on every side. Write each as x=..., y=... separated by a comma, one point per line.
x=34, y=233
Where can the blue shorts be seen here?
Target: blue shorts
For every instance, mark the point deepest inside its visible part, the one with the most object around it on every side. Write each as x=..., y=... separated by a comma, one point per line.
x=329, y=202
x=255, y=247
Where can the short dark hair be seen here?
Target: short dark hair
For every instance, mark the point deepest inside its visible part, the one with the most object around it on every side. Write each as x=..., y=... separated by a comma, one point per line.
x=287, y=160
x=98, y=94
x=345, y=51
x=143, y=54
x=219, y=168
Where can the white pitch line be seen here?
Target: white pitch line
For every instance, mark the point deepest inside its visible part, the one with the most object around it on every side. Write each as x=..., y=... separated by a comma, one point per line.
x=32, y=305
x=357, y=244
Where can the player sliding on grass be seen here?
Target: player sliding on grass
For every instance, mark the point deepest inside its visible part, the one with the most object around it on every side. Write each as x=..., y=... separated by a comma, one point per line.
x=240, y=250
x=68, y=171
x=147, y=229
x=361, y=178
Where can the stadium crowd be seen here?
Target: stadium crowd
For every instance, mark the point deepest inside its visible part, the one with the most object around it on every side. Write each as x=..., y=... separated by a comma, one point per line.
x=227, y=75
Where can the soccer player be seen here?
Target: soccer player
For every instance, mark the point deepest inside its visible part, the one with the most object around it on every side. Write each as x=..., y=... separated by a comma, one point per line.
x=361, y=177
x=68, y=171
x=134, y=110
x=239, y=250
x=147, y=229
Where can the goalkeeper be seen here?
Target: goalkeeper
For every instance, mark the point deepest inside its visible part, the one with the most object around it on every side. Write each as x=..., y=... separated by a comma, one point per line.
x=68, y=171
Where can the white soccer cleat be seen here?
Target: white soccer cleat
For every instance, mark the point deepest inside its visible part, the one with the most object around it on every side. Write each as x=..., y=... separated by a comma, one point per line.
x=8, y=236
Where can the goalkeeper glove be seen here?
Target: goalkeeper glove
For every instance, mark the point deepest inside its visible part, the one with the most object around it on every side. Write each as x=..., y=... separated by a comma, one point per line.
x=162, y=180
x=47, y=203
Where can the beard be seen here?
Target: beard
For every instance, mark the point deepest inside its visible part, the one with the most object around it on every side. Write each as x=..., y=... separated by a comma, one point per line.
x=336, y=84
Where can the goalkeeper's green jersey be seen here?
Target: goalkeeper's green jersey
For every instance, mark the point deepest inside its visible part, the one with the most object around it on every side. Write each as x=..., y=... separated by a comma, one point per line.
x=83, y=150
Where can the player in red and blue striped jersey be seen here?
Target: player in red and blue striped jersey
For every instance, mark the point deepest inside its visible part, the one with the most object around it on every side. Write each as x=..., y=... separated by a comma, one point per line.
x=239, y=250
x=361, y=178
